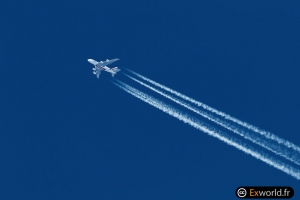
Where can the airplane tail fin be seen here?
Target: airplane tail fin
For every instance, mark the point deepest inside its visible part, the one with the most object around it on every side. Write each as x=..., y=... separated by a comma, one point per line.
x=116, y=70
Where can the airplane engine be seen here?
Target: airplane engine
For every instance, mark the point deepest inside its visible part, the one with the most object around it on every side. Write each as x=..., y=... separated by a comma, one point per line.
x=94, y=69
x=94, y=72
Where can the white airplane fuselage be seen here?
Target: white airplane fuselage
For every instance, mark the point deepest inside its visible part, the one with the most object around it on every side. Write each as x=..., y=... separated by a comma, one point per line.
x=101, y=66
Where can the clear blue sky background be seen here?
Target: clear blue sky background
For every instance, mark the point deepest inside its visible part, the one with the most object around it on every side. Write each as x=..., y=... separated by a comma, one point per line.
x=65, y=134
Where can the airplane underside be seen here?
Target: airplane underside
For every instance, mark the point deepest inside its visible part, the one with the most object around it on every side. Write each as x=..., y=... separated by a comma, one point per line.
x=102, y=66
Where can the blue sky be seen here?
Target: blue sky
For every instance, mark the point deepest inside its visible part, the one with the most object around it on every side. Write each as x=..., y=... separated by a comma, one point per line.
x=68, y=135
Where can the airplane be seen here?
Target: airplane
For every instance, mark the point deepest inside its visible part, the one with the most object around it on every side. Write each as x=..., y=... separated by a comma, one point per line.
x=101, y=66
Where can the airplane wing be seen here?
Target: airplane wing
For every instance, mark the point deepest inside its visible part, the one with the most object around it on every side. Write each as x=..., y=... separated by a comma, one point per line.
x=98, y=72
x=107, y=62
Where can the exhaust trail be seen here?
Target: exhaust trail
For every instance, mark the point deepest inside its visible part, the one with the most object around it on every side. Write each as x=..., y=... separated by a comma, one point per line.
x=267, y=144
x=209, y=130
x=226, y=116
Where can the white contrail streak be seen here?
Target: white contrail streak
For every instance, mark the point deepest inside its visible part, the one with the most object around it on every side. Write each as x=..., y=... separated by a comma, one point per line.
x=226, y=116
x=210, y=131
x=267, y=144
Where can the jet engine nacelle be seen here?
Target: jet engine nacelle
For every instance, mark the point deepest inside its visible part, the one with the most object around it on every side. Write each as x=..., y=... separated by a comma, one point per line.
x=94, y=72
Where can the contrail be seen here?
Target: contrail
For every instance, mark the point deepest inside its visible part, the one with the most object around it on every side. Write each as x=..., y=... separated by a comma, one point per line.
x=267, y=144
x=210, y=131
x=226, y=116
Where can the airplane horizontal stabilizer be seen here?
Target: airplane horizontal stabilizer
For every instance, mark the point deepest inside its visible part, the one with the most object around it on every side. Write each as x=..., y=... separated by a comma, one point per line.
x=116, y=69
